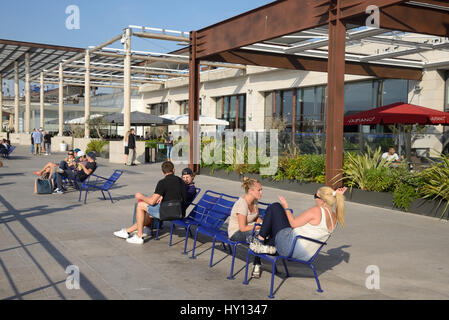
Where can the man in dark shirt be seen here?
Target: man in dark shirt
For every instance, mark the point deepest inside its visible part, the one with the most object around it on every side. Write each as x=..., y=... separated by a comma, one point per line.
x=132, y=148
x=169, y=188
x=79, y=176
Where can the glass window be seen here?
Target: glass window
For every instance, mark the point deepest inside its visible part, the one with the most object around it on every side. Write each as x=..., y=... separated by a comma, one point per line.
x=227, y=110
x=358, y=97
x=308, y=99
x=446, y=92
x=287, y=106
x=394, y=91
x=242, y=112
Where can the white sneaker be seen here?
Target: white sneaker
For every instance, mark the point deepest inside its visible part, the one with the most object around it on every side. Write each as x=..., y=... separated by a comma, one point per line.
x=257, y=246
x=59, y=170
x=256, y=271
x=135, y=240
x=146, y=232
x=122, y=234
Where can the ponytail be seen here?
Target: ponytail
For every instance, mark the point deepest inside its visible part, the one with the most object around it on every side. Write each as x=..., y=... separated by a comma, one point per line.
x=332, y=198
x=248, y=183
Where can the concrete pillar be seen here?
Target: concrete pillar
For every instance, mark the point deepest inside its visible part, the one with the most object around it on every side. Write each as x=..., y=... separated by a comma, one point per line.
x=61, y=101
x=87, y=95
x=127, y=82
x=42, y=118
x=16, y=97
x=1, y=103
x=27, y=94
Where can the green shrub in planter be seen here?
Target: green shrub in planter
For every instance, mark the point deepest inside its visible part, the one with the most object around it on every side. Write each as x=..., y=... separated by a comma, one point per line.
x=403, y=195
x=436, y=181
x=96, y=146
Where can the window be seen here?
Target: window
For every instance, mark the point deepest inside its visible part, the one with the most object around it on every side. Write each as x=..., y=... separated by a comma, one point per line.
x=446, y=92
x=394, y=91
x=358, y=97
x=232, y=109
x=183, y=107
x=159, y=109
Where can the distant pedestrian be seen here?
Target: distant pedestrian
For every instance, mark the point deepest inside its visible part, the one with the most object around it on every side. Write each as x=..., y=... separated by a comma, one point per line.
x=132, y=148
x=37, y=137
x=47, y=143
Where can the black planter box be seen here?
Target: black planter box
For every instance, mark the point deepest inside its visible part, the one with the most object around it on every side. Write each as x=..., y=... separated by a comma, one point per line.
x=431, y=208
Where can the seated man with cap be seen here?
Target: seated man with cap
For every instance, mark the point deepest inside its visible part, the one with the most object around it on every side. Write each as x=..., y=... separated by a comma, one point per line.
x=149, y=206
x=84, y=171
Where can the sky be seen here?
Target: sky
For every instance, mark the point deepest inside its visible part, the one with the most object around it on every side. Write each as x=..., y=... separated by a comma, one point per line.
x=44, y=21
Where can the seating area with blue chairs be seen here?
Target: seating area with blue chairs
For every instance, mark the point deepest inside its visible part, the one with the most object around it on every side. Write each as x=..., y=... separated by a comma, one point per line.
x=101, y=183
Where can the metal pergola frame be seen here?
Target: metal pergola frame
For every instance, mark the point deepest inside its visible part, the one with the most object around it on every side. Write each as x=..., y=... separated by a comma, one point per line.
x=98, y=66
x=313, y=35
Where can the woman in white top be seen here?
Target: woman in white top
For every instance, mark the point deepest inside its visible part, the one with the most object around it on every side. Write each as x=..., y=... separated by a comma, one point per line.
x=245, y=214
x=280, y=227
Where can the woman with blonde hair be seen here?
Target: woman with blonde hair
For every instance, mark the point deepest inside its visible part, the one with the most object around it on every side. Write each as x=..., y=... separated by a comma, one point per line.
x=280, y=227
x=245, y=214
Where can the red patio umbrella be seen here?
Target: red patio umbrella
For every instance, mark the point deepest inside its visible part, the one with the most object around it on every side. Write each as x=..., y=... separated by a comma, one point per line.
x=398, y=113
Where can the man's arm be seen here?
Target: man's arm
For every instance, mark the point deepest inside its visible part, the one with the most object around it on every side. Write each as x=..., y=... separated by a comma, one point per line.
x=149, y=200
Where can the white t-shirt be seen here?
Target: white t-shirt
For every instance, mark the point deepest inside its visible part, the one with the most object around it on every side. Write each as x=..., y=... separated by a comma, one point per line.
x=241, y=207
x=390, y=157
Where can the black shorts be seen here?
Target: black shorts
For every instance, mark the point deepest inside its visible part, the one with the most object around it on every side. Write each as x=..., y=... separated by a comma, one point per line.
x=127, y=150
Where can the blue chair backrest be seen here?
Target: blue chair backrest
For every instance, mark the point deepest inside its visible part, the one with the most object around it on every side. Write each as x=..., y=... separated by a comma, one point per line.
x=220, y=212
x=110, y=182
x=203, y=206
x=11, y=149
x=262, y=208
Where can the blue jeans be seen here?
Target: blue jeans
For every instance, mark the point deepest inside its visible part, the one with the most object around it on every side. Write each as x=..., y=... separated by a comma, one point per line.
x=169, y=152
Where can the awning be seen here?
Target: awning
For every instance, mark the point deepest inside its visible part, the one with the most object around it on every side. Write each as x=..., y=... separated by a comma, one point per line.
x=204, y=121
x=398, y=113
x=138, y=119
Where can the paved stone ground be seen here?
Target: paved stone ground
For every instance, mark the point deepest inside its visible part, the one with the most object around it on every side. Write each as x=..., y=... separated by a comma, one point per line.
x=40, y=236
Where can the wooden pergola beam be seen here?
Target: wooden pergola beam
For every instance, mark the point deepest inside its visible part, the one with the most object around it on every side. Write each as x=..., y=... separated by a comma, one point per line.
x=275, y=20
x=294, y=62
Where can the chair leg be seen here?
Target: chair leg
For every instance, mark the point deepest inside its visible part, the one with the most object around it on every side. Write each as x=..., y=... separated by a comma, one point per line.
x=110, y=197
x=271, y=296
x=104, y=197
x=171, y=233
x=212, y=252
x=245, y=281
x=187, y=239
x=231, y=275
x=285, y=267
x=85, y=197
x=316, y=278
x=194, y=245
x=81, y=191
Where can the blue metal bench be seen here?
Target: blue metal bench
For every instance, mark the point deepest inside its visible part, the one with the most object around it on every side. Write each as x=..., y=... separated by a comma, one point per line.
x=101, y=183
x=224, y=238
x=274, y=258
x=10, y=150
x=158, y=222
x=197, y=214
x=214, y=218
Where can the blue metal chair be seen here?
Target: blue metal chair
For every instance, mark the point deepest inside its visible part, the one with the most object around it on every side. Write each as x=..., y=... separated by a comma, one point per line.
x=224, y=238
x=158, y=222
x=211, y=223
x=101, y=183
x=10, y=150
x=197, y=214
x=274, y=258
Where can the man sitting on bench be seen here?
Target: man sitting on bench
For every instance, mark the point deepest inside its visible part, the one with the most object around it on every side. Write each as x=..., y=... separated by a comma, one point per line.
x=78, y=176
x=169, y=188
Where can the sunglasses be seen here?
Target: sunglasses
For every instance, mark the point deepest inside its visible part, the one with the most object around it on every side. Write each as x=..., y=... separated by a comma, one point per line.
x=71, y=154
x=315, y=196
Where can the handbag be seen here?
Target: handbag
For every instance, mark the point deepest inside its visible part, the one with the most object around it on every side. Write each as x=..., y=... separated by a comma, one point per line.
x=43, y=186
x=171, y=210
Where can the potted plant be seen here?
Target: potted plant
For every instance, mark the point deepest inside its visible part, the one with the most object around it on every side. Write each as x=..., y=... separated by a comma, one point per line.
x=63, y=146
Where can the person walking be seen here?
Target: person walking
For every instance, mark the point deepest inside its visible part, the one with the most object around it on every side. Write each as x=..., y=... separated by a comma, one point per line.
x=169, y=144
x=47, y=143
x=37, y=137
x=32, y=141
x=126, y=147
x=132, y=148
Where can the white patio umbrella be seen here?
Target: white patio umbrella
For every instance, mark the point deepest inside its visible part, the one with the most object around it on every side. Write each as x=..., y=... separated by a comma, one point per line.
x=204, y=121
x=82, y=120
